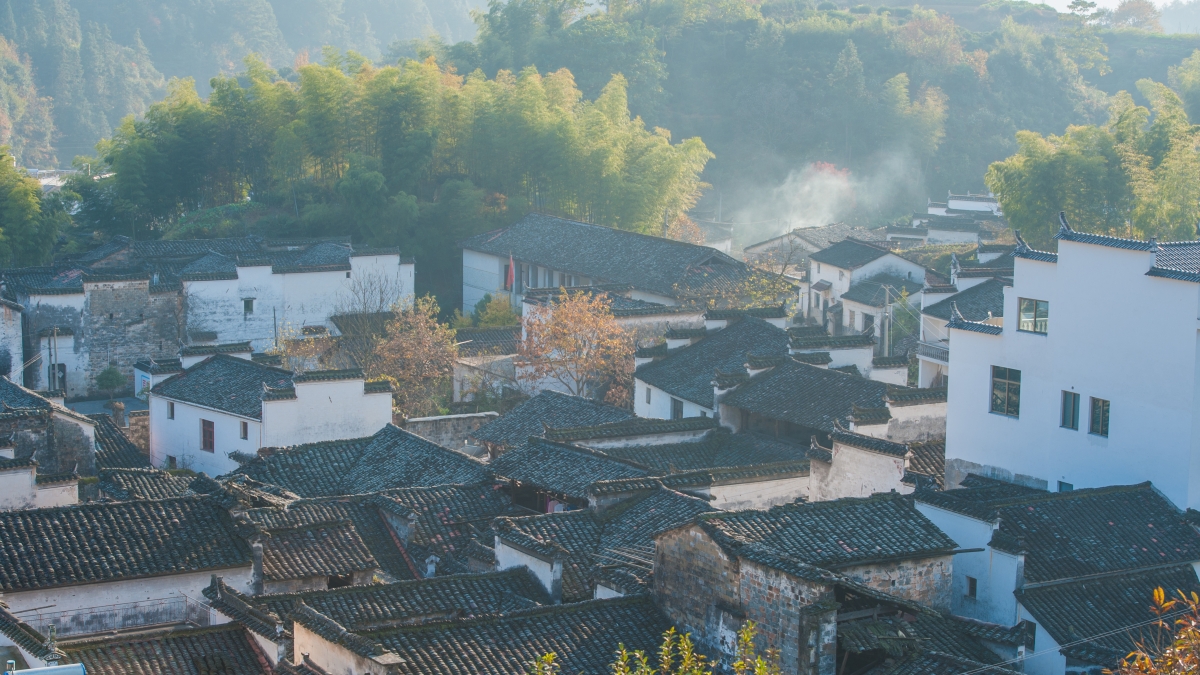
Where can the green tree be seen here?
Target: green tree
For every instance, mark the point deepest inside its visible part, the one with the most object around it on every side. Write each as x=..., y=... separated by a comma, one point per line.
x=110, y=379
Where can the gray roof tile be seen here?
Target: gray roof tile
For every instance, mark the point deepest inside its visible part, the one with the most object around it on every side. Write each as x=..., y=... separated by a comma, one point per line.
x=974, y=303
x=225, y=383
x=547, y=409
x=807, y=395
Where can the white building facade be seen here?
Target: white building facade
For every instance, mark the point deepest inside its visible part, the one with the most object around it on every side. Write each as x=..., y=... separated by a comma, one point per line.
x=1092, y=379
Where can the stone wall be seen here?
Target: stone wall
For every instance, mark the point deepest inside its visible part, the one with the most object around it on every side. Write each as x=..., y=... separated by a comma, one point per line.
x=139, y=430
x=450, y=431
x=709, y=594
x=925, y=581
x=126, y=323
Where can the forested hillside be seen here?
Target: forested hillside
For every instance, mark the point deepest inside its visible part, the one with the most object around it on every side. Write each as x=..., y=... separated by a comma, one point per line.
x=72, y=69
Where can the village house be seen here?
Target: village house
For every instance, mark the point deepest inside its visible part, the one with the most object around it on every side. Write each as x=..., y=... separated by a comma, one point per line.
x=1080, y=565
x=129, y=300
x=44, y=448
x=789, y=252
x=92, y=568
x=675, y=380
x=1032, y=383
x=551, y=252
x=229, y=406
x=832, y=271
x=982, y=303
x=803, y=573
x=486, y=363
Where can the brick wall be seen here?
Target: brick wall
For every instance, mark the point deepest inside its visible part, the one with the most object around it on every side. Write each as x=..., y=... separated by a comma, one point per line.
x=925, y=581
x=448, y=431
x=124, y=323
x=139, y=429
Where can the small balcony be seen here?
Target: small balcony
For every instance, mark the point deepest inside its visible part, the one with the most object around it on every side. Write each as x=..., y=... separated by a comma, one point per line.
x=934, y=351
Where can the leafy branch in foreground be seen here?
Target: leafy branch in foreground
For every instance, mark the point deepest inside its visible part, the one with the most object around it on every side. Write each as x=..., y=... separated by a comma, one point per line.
x=1174, y=644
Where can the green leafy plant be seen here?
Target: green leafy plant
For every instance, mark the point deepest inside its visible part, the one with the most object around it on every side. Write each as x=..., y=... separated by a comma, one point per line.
x=110, y=379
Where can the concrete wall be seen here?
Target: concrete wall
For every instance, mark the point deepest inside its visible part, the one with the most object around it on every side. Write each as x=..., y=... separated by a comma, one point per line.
x=450, y=431
x=17, y=489
x=57, y=494
x=324, y=411
x=180, y=437
x=855, y=472
x=1103, y=310
x=897, y=376
x=761, y=494
x=330, y=656
x=917, y=423
x=926, y=581
x=659, y=406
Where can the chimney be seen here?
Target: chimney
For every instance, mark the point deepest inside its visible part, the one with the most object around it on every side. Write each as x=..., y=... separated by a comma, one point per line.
x=556, y=574
x=256, y=571
x=431, y=566
x=118, y=414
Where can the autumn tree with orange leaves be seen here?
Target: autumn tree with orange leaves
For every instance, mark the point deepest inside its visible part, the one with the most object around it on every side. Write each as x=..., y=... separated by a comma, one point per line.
x=575, y=344
x=1171, y=645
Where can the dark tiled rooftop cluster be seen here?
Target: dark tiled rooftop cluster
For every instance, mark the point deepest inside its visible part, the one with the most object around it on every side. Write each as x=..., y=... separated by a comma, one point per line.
x=850, y=253
x=807, y=395
x=225, y=383
x=881, y=289
x=114, y=450
x=563, y=469
x=220, y=650
x=974, y=304
x=315, y=550
x=688, y=372
x=548, y=409
x=717, y=449
x=391, y=458
x=144, y=483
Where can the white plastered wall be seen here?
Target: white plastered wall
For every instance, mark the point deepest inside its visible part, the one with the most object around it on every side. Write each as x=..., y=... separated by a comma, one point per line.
x=325, y=411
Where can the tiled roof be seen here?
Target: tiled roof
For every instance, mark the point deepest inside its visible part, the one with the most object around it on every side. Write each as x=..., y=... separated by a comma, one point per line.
x=89, y=543
x=160, y=366
x=212, y=266
x=636, y=426
x=22, y=634
x=1116, y=608
x=1079, y=533
x=203, y=350
x=563, y=469
x=878, y=445
x=225, y=383
x=315, y=549
x=938, y=663
x=975, y=326
x=143, y=483
x=13, y=395
x=455, y=597
x=813, y=358
x=485, y=341
x=586, y=540
x=717, y=449
x=806, y=395
x=928, y=464
x=901, y=396
x=897, y=635
x=810, y=342
x=219, y=650
x=974, y=303
x=838, y=533
x=582, y=636
x=392, y=458
x=900, y=361
x=607, y=254
x=547, y=409
x=114, y=450
x=687, y=372
x=449, y=518
x=881, y=289
x=850, y=254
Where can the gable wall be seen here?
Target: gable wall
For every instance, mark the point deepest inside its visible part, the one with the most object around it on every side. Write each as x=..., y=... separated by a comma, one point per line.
x=325, y=411
x=927, y=581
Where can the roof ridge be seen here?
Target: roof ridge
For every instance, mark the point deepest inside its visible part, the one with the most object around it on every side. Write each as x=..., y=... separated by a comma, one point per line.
x=564, y=608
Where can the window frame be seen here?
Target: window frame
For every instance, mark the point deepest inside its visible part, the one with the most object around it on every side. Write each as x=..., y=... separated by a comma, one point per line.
x=972, y=587
x=648, y=390
x=1072, y=422
x=170, y=410
x=245, y=430
x=676, y=406
x=1044, y=319
x=1099, y=427
x=208, y=436
x=247, y=306
x=1008, y=409
x=1064, y=486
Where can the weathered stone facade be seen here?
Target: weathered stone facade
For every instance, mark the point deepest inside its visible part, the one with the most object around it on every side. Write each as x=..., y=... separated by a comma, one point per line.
x=710, y=594
x=925, y=581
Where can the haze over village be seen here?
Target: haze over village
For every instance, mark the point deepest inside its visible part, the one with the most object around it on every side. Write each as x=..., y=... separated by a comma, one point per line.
x=559, y=337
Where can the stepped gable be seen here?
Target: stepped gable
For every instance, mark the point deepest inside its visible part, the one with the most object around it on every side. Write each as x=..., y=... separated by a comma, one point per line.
x=548, y=409
x=687, y=372
x=392, y=458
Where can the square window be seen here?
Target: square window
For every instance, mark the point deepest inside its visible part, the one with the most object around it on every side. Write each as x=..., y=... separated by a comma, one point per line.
x=245, y=430
x=347, y=275
x=1065, y=487
x=972, y=587
x=207, y=436
x=1099, y=422
x=676, y=409
x=1034, y=316
x=1069, y=419
x=170, y=410
x=1006, y=391
x=248, y=306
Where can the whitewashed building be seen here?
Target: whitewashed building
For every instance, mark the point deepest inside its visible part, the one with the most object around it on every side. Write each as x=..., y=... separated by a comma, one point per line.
x=1092, y=378
x=228, y=405
x=832, y=271
x=550, y=252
